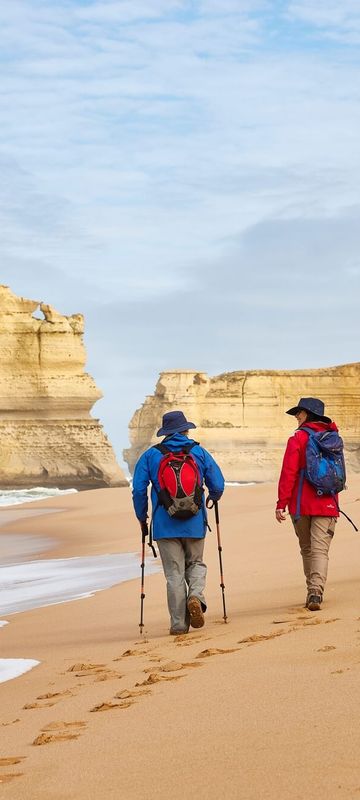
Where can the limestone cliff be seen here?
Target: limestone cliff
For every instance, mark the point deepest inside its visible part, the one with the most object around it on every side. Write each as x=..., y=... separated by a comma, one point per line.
x=47, y=436
x=240, y=416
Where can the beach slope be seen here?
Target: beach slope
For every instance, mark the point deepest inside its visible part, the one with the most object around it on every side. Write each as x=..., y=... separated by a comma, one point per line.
x=263, y=707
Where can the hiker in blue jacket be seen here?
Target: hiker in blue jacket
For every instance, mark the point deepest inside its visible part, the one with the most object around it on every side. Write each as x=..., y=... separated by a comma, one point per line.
x=180, y=541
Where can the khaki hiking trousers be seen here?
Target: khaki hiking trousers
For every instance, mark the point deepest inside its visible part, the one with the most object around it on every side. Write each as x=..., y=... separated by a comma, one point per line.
x=315, y=536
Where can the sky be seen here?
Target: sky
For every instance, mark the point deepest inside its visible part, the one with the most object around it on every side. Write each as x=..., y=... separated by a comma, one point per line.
x=186, y=174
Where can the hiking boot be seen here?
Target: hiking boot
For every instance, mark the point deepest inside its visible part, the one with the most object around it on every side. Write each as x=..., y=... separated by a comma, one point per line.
x=177, y=632
x=197, y=619
x=314, y=602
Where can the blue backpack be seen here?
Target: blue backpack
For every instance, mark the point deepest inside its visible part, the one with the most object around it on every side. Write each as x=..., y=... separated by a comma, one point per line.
x=324, y=466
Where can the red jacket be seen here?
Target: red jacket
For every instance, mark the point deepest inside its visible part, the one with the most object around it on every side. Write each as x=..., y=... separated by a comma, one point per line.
x=293, y=462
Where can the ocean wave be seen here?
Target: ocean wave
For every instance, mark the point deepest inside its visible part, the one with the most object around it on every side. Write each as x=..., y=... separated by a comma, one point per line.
x=14, y=497
x=239, y=483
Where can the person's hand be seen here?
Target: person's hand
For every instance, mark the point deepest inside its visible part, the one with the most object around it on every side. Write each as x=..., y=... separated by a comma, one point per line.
x=144, y=528
x=280, y=514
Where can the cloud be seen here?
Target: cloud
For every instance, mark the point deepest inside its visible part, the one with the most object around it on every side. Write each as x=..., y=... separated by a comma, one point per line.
x=178, y=155
x=333, y=20
x=285, y=297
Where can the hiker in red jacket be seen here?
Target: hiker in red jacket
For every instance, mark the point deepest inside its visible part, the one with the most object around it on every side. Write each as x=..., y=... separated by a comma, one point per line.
x=314, y=516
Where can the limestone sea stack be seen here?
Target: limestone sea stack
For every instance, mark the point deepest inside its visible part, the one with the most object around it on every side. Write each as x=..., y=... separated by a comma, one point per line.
x=240, y=416
x=47, y=436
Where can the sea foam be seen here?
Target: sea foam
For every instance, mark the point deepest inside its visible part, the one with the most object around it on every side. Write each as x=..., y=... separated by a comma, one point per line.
x=14, y=497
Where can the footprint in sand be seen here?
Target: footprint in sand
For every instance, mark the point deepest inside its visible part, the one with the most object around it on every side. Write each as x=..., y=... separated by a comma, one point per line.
x=307, y=622
x=126, y=694
x=262, y=637
x=109, y=675
x=53, y=697
x=62, y=732
x=12, y=722
x=7, y=777
x=302, y=619
x=154, y=677
x=55, y=726
x=216, y=651
x=326, y=648
x=173, y=666
x=128, y=653
x=29, y=706
x=48, y=738
x=50, y=695
x=111, y=706
x=10, y=760
x=86, y=668
x=101, y=671
x=186, y=640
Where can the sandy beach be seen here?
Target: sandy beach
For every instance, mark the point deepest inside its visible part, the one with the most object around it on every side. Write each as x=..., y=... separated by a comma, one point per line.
x=266, y=706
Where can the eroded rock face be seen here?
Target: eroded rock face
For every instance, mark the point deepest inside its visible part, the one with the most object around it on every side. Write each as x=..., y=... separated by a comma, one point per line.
x=47, y=436
x=240, y=416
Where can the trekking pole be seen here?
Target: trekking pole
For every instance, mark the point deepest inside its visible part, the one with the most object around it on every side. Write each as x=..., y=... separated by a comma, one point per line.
x=214, y=503
x=144, y=533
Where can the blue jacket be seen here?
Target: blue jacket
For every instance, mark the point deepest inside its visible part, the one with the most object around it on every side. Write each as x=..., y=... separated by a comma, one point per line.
x=146, y=471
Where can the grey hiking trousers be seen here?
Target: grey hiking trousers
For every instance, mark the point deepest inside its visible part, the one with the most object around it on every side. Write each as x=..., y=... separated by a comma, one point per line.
x=185, y=573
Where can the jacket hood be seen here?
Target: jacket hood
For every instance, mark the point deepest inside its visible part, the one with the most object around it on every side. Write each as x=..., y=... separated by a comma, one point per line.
x=319, y=426
x=177, y=440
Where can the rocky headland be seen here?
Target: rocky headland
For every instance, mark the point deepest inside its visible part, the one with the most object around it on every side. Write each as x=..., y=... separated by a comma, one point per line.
x=240, y=416
x=47, y=436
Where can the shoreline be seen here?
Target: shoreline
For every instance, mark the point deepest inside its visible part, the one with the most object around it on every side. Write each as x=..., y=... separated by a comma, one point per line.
x=251, y=691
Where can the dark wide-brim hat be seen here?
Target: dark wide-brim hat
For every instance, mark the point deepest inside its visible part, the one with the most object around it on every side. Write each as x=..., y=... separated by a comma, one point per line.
x=312, y=404
x=174, y=422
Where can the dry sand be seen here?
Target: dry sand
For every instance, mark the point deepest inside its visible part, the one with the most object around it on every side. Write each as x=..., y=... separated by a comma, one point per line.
x=266, y=706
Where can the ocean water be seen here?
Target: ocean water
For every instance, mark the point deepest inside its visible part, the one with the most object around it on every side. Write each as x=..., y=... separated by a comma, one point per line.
x=239, y=483
x=35, y=584
x=10, y=497
x=13, y=667
x=26, y=583
x=46, y=582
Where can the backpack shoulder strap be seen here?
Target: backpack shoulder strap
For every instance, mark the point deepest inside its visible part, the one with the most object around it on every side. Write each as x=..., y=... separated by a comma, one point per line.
x=308, y=430
x=189, y=447
x=301, y=478
x=165, y=450
x=162, y=449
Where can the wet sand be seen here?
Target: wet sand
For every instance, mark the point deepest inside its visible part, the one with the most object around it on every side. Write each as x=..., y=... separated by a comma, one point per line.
x=263, y=707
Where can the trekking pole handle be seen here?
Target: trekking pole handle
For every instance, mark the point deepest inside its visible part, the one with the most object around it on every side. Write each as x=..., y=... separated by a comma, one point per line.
x=210, y=503
x=144, y=530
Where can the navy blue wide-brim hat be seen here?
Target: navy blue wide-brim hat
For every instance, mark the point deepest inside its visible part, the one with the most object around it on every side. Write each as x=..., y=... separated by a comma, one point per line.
x=174, y=422
x=312, y=404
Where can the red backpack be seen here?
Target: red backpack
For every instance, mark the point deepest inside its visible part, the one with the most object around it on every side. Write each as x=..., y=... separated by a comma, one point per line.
x=180, y=482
